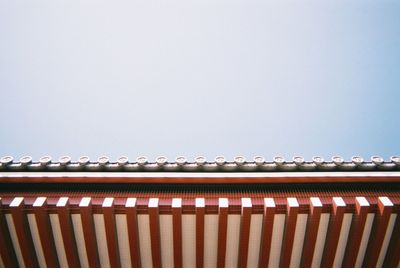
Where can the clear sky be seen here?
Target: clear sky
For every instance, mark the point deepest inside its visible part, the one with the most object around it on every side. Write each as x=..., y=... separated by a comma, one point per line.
x=199, y=77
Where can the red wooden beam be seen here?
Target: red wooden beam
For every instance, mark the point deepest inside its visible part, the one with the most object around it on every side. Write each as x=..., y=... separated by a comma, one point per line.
x=177, y=231
x=200, y=213
x=23, y=233
x=269, y=214
x=111, y=231
x=155, y=232
x=222, y=229
x=6, y=247
x=44, y=227
x=311, y=232
x=131, y=217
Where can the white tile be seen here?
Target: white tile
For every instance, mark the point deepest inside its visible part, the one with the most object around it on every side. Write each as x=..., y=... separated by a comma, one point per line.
x=292, y=202
x=223, y=202
x=39, y=201
x=176, y=202
x=316, y=202
x=153, y=202
x=362, y=201
x=246, y=202
x=200, y=202
x=85, y=202
x=16, y=201
x=130, y=202
x=108, y=202
x=339, y=201
x=386, y=201
x=269, y=202
x=62, y=202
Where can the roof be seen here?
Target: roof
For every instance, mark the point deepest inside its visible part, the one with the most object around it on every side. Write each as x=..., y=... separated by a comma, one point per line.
x=200, y=164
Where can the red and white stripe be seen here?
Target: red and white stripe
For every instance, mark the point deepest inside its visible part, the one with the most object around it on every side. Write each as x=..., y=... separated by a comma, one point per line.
x=338, y=231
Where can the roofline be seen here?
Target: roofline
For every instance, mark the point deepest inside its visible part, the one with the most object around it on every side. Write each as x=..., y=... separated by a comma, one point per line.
x=199, y=177
x=200, y=164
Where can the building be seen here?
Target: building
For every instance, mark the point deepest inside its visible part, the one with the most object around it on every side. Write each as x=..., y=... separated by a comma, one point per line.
x=222, y=213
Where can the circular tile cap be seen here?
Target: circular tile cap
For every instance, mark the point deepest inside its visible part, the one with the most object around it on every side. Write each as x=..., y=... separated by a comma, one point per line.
x=103, y=160
x=161, y=160
x=141, y=160
x=377, y=160
x=358, y=160
x=259, y=160
x=220, y=160
x=180, y=160
x=338, y=160
x=6, y=160
x=83, y=160
x=279, y=160
x=122, y=160
x=64, y=160
x=395, y=159
x=45, y=160
x=318, y=160
x=239, y=160
x=298, y=160
x=25, y=160
x=200, y=160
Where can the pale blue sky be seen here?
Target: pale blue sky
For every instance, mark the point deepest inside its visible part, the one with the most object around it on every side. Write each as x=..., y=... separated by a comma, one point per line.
x=199, y=77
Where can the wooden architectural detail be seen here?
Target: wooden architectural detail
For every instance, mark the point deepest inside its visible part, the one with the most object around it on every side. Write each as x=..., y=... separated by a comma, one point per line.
x=200, y=214
x=132, y=232
x=21, y=235
x=63, y=229
x=291, y=222
x=220, y=214
x=155, y=231
x=336, y=234
x=329, y=232
x=310, y=239
x=177, y=231
x=392, y=256
x=222, y=230
x=382, y=230
x=111, y=232
x=7, y=254
x=361, y=228
x=46, y=239
x=245, y=231
x=268, y=227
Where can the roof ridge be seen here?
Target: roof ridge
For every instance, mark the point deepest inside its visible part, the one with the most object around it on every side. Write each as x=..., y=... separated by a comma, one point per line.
x=200, y=163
